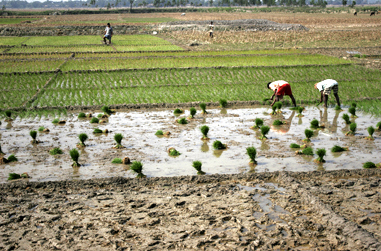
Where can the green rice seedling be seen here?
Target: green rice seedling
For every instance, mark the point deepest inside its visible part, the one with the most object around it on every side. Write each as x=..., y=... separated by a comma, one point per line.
x=203, y=108
x=99, y=115
x=300, y=110
x=24, y=175
x=223, y=102
x=353, y=105
x=159, y=133
x=12, y=158
x=8, y=114
x=352, y=110
x=137, y=167
x=178, y=111
x=293, y=145
x=117, y=161
x=97, y=130
x=274, y=110
x=321, y=153
x=82, y=138
x=204, y=130
x=252, y=152
x=314, y=124
x=55, y=121
x=81, y=115
x=118, y=138
x=173, y=152
x=94, y=120
x=346, y=118
x=106, y=110
x=369, y=165
x=33, y=134
x=193, y=112
x=337, y=149
x=258, y=123
x=218, y=145
x=264, y=131
x=370, y=131
x=56, y=151
x=278, y=106
x=182, y=121
x=197, y=165
x=41, y=128
x=352, y=128
x=337, y=108
x=378, y=126
x=309, y=133
x=278, y=122
x=74, y=154
x=308, y=151
x=14, y=176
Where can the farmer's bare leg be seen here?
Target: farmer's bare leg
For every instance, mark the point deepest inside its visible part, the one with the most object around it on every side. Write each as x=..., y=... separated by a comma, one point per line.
x=325, y=98
x=293, y=100
x=337, y=99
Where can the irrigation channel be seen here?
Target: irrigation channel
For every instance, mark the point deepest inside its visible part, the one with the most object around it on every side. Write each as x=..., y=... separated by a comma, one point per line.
x=231, y=126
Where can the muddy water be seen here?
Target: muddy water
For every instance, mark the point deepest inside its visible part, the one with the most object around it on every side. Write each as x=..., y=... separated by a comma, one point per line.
x=230, y=126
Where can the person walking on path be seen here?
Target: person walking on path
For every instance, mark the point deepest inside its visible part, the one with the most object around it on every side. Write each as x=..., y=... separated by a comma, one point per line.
x=325, y=88
x=280, y=89
x=108, y=34
x=211, y=28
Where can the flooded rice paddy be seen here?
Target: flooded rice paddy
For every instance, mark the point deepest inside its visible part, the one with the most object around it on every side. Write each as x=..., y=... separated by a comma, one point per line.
x=231, y=126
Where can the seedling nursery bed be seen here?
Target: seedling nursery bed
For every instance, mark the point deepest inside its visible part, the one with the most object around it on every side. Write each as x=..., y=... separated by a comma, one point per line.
x=230, y=126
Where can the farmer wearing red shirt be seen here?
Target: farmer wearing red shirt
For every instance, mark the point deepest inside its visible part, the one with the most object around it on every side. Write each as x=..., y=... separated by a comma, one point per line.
x=280, y=89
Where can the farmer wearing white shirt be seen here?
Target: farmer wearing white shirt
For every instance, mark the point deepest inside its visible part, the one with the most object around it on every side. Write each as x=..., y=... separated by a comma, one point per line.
x=108, y=34
x=326, y=87
x=280, y=89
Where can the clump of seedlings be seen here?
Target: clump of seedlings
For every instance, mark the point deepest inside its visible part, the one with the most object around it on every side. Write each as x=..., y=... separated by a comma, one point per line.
x=370, y=131
x=309, y=133
x=182, y=121
x=258, y=123
x=369, y=165
x=294, y=145
x=55, y=121
x=252, y=152
x=81, y=115
x=300, y=110
x=203, y=108
x=346, y=118
x=173, y=152
x=56, y=151
x=315, y=124
x=274, y=109
x=118, y=138
x=159, y=133
x=352, y=128
x=354, y=105
x=14, y=176
x=193, y=112
x=218, y=145
x=278, y=122
x=33, y=134
x=338, y=108
x=264, y=131
x=117, y=161
x=352, y=110
x=337, y=149
x=106, y=110
x=82, y=138
x=94, y=120
x=306, y=151
x=41, y=129
x=8, y=114
x=137, y=167
x=204, y=130
x=12, y=158
x=321, y=153
x=378, y=126
x=99, y=115
x=178, y=111
x=97, y=130
x=197, y=165
x=223, y=103
x=74, y=154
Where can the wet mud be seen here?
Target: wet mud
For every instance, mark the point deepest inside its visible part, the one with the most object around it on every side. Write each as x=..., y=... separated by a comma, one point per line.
x=230, y=126
x=333, y=210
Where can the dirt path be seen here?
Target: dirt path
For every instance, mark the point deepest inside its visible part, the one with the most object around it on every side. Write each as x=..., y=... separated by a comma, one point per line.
x=280, y=210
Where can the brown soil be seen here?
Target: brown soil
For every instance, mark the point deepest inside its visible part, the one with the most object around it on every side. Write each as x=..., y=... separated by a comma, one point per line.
x=126, y=160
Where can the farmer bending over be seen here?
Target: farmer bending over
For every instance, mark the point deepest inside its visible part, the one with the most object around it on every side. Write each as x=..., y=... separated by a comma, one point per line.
x=325, y=87
x=108, y=34
x=211, y=27
x=280, y=89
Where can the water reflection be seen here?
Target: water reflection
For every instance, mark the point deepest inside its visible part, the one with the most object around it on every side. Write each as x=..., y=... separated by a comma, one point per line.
x=283, y=129
x=205, y=147
x=224, y=111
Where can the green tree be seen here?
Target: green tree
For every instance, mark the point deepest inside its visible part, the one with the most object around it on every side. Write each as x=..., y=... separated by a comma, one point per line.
x=3, y=8
x=353, y=4
x=344, y=2
x=108, y=6
x=210, y=2
x=131, y=3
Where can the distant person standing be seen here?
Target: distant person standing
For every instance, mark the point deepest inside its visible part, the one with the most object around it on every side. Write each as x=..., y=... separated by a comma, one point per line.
x=211, y=28
x=325, y=88
x=280, y=88
x=108, y=34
